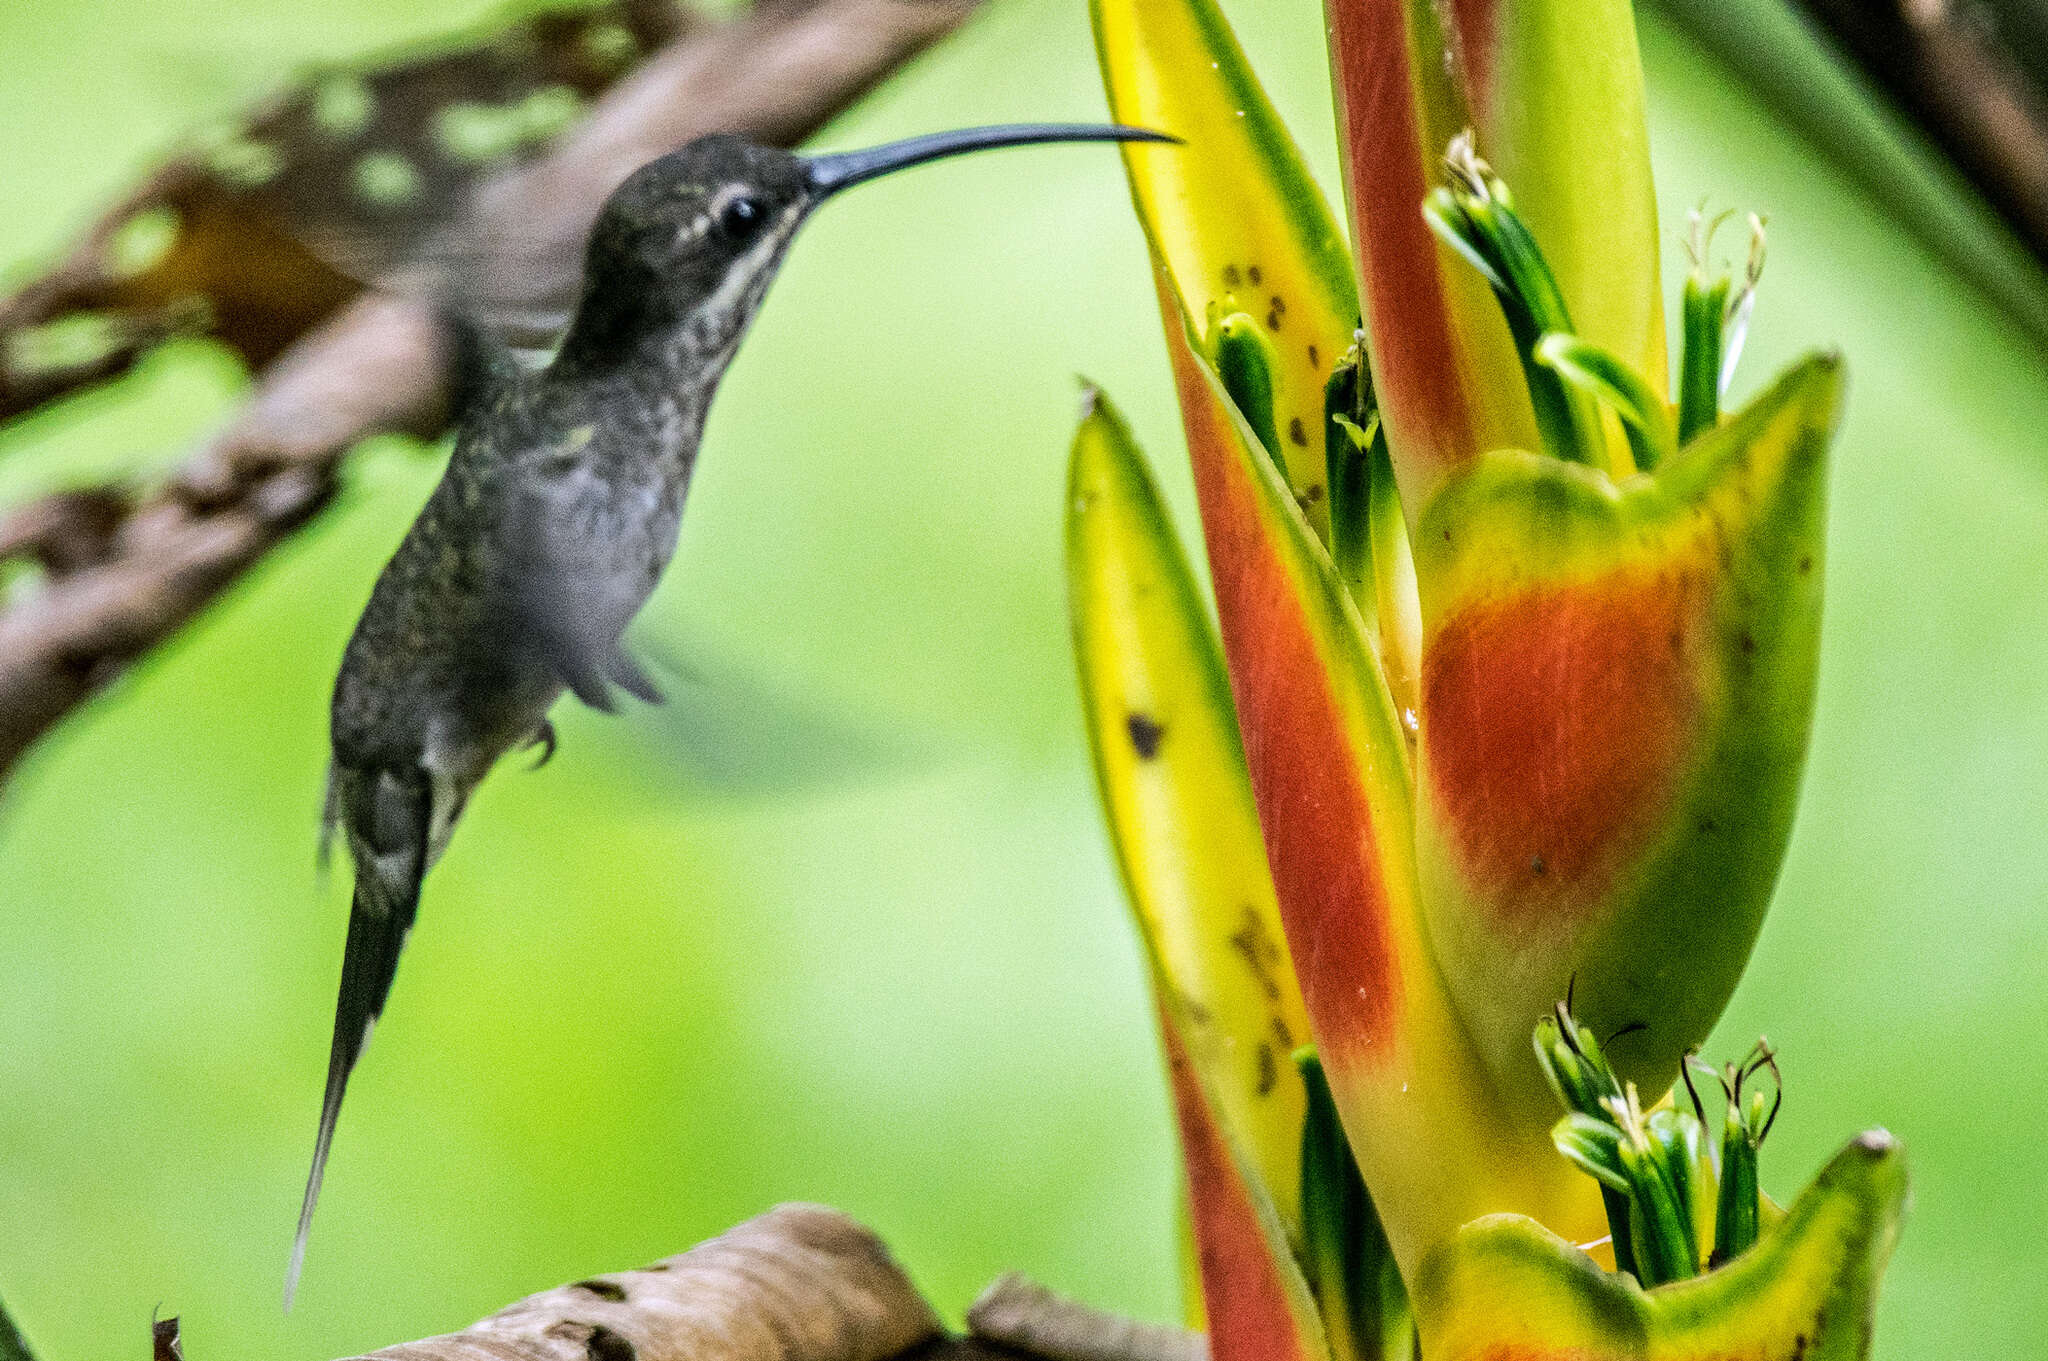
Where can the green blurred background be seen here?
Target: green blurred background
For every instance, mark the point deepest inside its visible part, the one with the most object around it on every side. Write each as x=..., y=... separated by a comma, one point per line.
x=839, y=924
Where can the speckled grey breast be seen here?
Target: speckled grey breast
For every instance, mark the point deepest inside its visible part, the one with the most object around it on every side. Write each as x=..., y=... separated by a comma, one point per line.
x=552, y=525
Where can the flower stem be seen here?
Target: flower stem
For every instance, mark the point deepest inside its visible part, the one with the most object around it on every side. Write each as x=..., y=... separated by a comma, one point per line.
x=1715, y=325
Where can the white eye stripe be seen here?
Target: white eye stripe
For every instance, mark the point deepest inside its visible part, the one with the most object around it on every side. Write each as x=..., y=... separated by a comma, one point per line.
x=703, y=223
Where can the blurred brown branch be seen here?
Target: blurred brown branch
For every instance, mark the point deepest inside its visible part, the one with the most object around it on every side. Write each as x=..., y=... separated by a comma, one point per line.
x=1024, y=1316
x=256, y=233
x=1972, y=73
x=122, y=569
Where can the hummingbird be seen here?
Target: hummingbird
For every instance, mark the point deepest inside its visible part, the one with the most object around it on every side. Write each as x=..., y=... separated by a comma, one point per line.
x=555, y=518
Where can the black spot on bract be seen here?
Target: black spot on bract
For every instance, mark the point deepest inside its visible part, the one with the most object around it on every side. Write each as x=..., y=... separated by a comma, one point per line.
x=1261, y=955
x=1146, y=733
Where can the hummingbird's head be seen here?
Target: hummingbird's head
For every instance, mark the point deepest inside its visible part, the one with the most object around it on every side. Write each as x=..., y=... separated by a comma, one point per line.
x=683, y=251
x=685, y=248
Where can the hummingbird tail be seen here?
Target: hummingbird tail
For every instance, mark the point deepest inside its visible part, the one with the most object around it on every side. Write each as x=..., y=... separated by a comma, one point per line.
x=380, y=919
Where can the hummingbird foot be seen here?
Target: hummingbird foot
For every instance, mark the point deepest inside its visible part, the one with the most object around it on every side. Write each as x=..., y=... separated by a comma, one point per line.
x=544, y=738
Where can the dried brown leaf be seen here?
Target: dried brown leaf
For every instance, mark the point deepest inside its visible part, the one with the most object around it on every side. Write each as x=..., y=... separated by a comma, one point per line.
x=165, y=1344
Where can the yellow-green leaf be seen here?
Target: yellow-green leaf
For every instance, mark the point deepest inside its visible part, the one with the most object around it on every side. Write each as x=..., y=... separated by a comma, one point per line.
x=1555, y=90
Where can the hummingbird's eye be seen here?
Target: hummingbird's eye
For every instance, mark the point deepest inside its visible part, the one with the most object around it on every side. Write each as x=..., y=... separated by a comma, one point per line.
x=740, y=218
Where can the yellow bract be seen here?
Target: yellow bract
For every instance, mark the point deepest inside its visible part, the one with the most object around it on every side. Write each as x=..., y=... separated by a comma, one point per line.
x=1506, y=1286
x=1667, y=630
x=1233, y=216
x=1179, y=802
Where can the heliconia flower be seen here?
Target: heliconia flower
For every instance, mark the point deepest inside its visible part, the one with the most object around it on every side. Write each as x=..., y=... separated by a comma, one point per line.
x=1520, y=663
x=1178, y=792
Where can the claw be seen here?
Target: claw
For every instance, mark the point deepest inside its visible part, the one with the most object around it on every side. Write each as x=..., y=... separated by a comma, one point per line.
x=544, y=738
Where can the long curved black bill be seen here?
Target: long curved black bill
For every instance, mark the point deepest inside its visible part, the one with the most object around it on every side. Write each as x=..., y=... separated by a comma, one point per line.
x=839, y=170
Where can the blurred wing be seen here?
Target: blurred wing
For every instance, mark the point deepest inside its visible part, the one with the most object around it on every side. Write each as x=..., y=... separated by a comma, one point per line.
x=384, y=170
x=522, y=309
x=579, y=570
x=259, y=228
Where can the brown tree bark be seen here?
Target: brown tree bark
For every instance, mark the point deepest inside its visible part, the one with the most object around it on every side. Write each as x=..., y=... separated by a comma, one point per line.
x=800, y=1283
